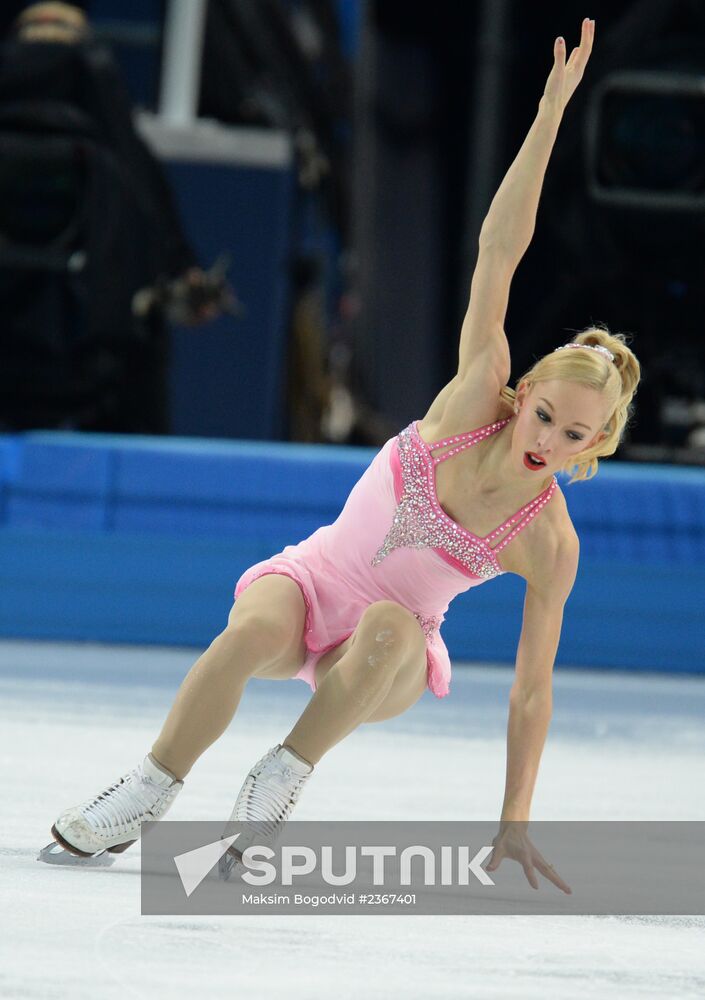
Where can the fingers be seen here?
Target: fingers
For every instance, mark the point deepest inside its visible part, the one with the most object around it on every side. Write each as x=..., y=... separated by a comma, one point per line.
x=524, y=860
x=530, y=874
x=531, y=864
x=495, y=861
x=581, y=53
x=559, y=51
x=550, y=873
x=530, y=860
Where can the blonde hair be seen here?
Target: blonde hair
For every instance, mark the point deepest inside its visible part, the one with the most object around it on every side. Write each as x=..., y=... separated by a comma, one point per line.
x=617, y=380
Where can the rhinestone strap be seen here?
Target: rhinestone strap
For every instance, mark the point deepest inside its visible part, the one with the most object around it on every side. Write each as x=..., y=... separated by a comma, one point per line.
x=468, y=440
x=420, y=522
x=532, y=506
x=530, y=510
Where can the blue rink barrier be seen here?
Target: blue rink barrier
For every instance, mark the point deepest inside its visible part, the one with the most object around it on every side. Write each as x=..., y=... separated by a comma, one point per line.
x=141, y=540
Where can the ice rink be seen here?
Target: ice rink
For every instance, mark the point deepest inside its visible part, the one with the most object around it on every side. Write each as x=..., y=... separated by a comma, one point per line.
x=75, y=717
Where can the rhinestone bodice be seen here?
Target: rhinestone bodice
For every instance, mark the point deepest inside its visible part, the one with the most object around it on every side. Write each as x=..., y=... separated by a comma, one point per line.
x=419, y=520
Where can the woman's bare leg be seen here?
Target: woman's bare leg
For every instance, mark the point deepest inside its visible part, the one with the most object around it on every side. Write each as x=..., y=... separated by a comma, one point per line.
x=264, y=637
x=381, y=674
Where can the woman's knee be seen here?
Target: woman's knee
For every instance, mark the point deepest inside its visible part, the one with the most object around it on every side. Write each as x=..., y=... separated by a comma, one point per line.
x=266, y=635
x=392, y=632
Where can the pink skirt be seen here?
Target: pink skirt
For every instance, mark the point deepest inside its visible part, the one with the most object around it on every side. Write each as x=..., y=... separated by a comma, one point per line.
x=334, y=611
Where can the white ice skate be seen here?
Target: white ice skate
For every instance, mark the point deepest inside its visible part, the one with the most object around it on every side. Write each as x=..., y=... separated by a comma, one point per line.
x=267, y=797
x=112, y=821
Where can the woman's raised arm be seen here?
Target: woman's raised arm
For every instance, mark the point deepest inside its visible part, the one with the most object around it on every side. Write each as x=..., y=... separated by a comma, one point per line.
x=509, y=225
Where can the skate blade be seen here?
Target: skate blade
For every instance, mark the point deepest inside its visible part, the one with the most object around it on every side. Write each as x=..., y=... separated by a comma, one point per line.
x=229, y=864
x=55, y=854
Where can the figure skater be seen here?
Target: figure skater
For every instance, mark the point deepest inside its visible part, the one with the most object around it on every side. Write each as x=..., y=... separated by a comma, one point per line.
x=355, y=609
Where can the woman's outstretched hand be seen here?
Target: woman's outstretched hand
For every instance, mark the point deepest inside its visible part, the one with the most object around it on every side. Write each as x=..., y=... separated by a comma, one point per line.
x=565, y=76
x=512, y=842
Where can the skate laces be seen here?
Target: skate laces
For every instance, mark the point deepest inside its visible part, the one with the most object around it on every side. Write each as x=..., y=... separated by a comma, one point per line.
x=124, y=803
x=270, y=793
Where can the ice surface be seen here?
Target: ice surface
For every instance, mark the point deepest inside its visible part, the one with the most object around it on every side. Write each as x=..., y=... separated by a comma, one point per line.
x=74, y=717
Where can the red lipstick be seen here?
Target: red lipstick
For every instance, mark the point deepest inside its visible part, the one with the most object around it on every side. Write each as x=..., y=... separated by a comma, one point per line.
x=539, y=462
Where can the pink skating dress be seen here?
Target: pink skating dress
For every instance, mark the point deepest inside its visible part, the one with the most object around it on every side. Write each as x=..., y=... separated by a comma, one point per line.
x=393, y=541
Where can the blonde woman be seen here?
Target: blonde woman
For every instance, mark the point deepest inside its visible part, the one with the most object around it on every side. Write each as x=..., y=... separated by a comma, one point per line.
x=457, y=498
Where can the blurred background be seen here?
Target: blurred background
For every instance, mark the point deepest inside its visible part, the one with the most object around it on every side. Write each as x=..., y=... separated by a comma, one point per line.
x=239, y=219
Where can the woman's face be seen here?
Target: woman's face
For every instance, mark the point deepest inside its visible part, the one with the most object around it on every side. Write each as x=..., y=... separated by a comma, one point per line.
x=557, y=421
